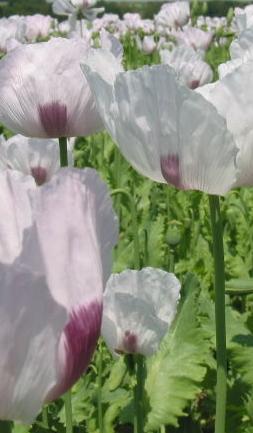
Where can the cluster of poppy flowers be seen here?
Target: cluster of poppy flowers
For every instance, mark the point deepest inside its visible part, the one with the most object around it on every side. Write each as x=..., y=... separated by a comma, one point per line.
x=58, y=228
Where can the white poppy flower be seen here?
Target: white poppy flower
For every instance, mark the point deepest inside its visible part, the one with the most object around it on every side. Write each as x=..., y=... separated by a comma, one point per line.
x=189, y=66
x=241, y=51
x=148, y=44
x=74, y=7
x=32, y=156
x=43, y=93
x=173, y=15
x=139, y=307
x=168, y=132
x=243, y=18
x=194, y=37
x=37, y=25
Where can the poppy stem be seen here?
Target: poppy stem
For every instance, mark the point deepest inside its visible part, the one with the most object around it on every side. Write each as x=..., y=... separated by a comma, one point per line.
x=220, y=319
x=138, y=394
x=5, y=427
x=100, y=405
x=68, y=412
x=117, y=176
x=63, y=144
x=63, y=151
x=136, y=249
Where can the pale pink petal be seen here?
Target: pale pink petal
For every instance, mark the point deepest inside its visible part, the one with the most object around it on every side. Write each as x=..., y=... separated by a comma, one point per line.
x=77, y=230
x=31, y=322
x=16, y=214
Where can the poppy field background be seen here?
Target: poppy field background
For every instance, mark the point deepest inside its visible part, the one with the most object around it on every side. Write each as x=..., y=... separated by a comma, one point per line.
x=169, y=229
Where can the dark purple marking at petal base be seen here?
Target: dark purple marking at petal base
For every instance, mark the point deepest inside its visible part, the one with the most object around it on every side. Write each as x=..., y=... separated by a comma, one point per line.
x=194, y=84
x=39, y=174
x=129, y=342
x=81, y=335
x=170, y=170
x=54, y=119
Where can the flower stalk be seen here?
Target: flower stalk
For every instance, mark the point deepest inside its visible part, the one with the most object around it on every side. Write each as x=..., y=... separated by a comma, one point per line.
x=63, y=144
x=138, y=394
x=220, y=319
x=63, y=151
x=5, y=427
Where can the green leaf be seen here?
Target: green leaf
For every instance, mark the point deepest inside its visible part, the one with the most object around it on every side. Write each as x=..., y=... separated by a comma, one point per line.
x=175, y=373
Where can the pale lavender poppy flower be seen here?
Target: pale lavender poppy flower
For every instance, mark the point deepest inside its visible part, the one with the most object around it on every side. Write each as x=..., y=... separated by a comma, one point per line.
x=139, y=307
x=43, y=93
x=189, y=66
x=37, y=157
x=167, y=131
x=74, y=7
x=173, y=15
x=56, y=243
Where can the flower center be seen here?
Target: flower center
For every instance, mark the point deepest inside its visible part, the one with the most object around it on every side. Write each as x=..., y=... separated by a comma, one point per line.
x=53, y=117
x=129, y=342
x=39, y=174
x=170, y=170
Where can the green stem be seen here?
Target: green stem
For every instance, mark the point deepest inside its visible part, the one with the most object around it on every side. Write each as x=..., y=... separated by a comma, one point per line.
x=67, y=397
x=68, y=412
x=100, y=406
x=218, y=254
x=5, y=427
x=63, y=151
x=138, y=394
x=131, y=200
x=45, y=417
x=117, y=176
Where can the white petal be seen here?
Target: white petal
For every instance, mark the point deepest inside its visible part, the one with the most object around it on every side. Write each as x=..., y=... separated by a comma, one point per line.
x=77, y=230
x=31, y=323
x=233, y=98
x=16, y=214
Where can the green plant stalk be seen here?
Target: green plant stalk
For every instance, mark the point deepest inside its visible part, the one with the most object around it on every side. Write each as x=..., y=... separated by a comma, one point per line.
x=5, y=427
x=68, y=412
x=138, y=394
x=63, y=151
x=136, y=249
x=67, y=397
x=117, y=175
x=100, y=405
x=45, y=417
x=219, y=268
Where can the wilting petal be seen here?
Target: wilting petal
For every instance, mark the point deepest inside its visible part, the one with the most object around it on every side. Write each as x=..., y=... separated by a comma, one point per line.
x=31, y=322
x=139, y=307
x=155, y=119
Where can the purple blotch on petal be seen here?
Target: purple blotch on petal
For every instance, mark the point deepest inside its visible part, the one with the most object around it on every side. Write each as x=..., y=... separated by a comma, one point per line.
x=81, y=334
x=170, y=170
x=194, y=84
x=53, y=117
x=39, y=174
x=129, y=342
